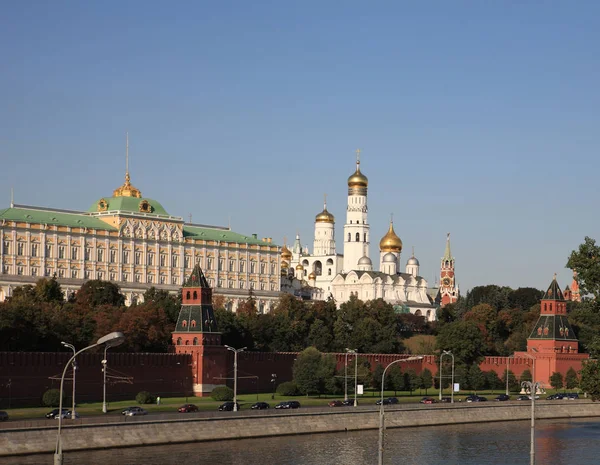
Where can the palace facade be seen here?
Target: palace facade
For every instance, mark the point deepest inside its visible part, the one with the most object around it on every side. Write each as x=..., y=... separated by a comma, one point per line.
x=134, y=242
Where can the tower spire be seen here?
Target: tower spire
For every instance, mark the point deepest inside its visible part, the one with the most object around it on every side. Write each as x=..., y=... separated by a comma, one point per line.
x=357, y=158
x=12, y=197
x=324, y=201
x=447, y=253
x=127, y=154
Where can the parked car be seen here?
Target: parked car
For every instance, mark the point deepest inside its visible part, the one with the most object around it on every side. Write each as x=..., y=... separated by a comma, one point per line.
x=54, y=413
x=134, y=411
x=555, y=397
x=228, y=407
x=502, y=398
x=288, y=404
x=187, y=408
x=336, y=403
x=66, y=415
x=427, y=400
x=349, y=403
x=573, y=396
x=260, y=406
x=446, y=400
x=523, y=398
x=3, y=415
x=387, y=401
x=473, y=398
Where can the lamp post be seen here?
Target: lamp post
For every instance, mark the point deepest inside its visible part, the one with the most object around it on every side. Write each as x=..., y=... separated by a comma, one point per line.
x=72, y=347
x=112, y=339
x=349, y=351
x=507, y=365
x=235, y=357
x=355, y=377
x=381, y=411
x=273, y=380
x=447, y=352
x=533, y=387
x=104, y=363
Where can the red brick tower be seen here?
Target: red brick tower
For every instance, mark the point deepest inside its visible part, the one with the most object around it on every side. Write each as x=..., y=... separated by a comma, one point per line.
x=196, y=334
x=575, y=295
x=553, y=343
x=448, y=292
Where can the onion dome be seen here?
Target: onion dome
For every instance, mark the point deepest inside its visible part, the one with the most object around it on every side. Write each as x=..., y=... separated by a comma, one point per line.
x=285, y=264
x=358, y=179
x=324, y=217
x=390, y=242
x=299, y=267
x=312, y=276
x=412, y=261
x=365, y=261
x=389, y=258
x=286, y=254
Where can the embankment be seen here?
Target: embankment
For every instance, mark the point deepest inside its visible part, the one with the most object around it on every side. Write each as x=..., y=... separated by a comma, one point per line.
x=106, y=435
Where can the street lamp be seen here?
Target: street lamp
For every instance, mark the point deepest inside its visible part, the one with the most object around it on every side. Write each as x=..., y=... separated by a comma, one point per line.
x=105, y=363
x=349, y=351
x=533, y=388
x=447, y=352
x=273, y=380
x=381, y=412
x=114, y=339
x=235, y=357
x=72, y=347
x=507, y=365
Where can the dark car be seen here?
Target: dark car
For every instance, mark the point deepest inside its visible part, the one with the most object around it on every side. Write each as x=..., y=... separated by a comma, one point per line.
x=336, y=403
x=573, y=396
x=3, y=415
x=228, y=407
x=502, y=398
x=134, y=411
x=523, y=398
x=480, y=399
x=387, y=401
x=555, y=397
x=470, y=398
x=349, y=403
x=288, y=404
x=427, y=400
x=187, y=408
x=54, y=413
x=446, y=400
x=260, y=406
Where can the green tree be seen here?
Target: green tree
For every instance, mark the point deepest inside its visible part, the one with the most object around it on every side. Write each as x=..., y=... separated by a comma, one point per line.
x=49, y=291
x=524, y=298
x=492, y=380
x=464, y=339
x=513, y=383
x=96, y=292
x=312, y=371
x=170, y=303
x=590, y=379
x=426, y=380
x=556, y=380
x=525, y=376
x=319, y=335
x=411, y=380
x=476, y=378
x=571, y=379
x=396, y=379
x=586, y=260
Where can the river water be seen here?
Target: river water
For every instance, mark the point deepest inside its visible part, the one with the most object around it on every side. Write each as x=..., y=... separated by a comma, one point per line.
x=558, y=442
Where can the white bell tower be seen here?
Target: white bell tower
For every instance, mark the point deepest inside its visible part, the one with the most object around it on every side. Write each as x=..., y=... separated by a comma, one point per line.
x=356, y=229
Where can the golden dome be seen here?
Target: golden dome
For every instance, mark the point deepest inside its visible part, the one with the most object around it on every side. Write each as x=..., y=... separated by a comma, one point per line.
x=324, y=217
x=358, y=179
x=390, y=242
x=127, y=190
x=286, y=254
x=312, y=276
x=284, y=264
x=299, y=267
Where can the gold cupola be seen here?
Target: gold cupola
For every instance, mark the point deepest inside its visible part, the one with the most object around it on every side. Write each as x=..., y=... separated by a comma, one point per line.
x=357, y=181
x=127, y=190
x=286, y=254
x=325, y=216
x=390, y=242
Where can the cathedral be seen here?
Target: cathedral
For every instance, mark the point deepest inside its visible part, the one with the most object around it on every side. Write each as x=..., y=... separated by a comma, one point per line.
x=339, y=276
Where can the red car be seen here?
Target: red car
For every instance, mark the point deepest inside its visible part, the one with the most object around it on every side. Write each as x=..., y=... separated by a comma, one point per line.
x=427, y=400
x=336, y=403
x=187, y=408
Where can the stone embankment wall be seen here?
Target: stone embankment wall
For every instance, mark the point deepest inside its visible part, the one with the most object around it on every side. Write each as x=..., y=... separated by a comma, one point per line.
x=236, y=426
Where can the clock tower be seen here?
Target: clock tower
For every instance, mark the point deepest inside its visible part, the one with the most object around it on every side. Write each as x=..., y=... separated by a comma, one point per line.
x=448, y=288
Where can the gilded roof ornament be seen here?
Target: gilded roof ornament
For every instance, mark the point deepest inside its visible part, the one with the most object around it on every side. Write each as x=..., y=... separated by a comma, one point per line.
x=127, y=190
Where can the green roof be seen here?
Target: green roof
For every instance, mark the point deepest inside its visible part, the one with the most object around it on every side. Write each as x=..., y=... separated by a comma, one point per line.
x=223, y=235
x=128, y=204
x=554, y=327
x=554, y=292
x=53, y=217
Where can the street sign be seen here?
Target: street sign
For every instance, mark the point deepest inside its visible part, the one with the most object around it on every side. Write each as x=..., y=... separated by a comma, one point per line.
x=359, y=389
x=456, y=387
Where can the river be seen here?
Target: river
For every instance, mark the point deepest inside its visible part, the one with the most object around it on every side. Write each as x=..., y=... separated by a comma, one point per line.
x=558, y=442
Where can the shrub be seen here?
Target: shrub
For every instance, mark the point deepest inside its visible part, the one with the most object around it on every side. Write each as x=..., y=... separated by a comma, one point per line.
x=51, y=398
x=144, y=397
x=222, y=393
x=289, y=388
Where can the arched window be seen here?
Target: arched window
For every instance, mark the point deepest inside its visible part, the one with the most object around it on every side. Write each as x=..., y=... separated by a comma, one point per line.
x=184, y=323
x=195, y=295
x=187, y=342
x=178, y=341
x=195, y=341
x=357, y=237
x=193, y=323
x=349, y=237
x=187, y=295
x=365, y=237
x=329, y=272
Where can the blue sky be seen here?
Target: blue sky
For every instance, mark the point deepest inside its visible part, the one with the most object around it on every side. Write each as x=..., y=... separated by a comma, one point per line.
x=475, y=118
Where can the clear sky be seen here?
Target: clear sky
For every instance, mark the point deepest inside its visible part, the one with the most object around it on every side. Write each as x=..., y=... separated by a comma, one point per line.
x=475, y=118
